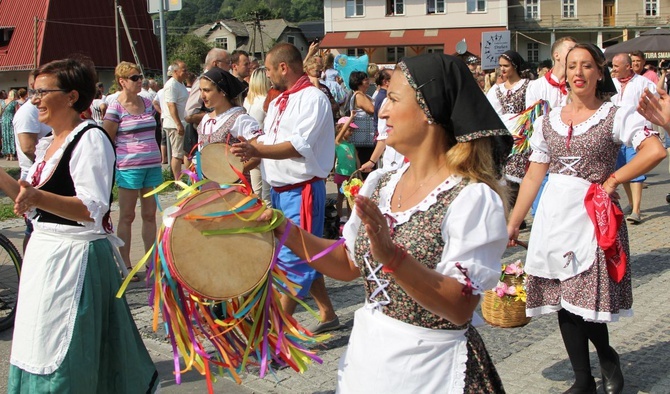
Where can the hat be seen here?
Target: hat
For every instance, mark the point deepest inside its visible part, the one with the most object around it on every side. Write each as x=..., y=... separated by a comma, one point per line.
x=230, y=85
x=471, y=60
x=344, y=119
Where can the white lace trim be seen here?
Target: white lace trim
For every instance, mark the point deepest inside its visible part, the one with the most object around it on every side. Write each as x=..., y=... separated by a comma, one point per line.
x=386, y=193
x=642, y=135
x=96, y=209
x=539, y=157
x=577, y=129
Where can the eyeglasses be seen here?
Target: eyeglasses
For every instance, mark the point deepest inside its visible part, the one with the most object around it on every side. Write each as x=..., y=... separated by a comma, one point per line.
x=39, y=93
x=135, y=77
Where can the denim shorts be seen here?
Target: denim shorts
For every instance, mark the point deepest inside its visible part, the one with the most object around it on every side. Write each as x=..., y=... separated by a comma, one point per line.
x=139, y=178
x=626, y=154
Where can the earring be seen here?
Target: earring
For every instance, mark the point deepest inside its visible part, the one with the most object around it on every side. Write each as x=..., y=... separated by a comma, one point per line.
x=430, y=121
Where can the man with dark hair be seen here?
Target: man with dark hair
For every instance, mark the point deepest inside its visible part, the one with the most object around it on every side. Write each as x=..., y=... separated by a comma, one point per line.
x=638, y=61
x=297, y=152
x=240, y=68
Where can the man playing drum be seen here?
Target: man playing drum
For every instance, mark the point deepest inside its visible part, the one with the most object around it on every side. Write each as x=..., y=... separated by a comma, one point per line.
x=297, y=153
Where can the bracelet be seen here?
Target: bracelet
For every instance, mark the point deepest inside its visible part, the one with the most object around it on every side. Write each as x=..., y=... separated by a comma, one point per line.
x=615, y=180
x=372, y=161
x=392, y=265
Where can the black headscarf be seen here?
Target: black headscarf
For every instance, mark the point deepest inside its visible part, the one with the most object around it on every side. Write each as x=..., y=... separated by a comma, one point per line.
x=230, y=85
x=606, y=85
x=514, y=58
x=449, y=96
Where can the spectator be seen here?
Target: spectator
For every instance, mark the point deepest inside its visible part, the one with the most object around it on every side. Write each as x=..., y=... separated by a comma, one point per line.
x=173, y=115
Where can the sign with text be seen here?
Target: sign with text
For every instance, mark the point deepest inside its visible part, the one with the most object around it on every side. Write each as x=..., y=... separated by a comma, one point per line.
x=168, y=5
x=494, y=44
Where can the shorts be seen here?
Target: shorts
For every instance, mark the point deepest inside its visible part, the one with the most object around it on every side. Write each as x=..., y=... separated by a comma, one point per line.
x=176, y=143
x=339, y=179
x=139, y=178
x=163, y=137
x=626, y=154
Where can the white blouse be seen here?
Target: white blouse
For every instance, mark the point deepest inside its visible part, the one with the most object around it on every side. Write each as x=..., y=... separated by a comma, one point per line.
x=91, y=168
x=244, y=126
x=474, y=228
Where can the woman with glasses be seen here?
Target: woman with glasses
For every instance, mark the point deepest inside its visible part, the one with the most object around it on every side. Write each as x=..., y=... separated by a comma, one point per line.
x=426, y=239
x=129, y=121
x=71, y=334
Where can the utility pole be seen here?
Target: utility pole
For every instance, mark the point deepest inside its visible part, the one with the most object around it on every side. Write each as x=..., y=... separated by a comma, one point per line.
x=116, y=31
x=161, y=16
x=257, y=23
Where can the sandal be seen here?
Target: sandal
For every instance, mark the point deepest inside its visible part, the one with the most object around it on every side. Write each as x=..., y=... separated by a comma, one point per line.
x=135, y=277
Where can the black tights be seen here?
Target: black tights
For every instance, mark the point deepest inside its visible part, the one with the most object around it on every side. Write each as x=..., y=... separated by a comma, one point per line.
x=576, y=333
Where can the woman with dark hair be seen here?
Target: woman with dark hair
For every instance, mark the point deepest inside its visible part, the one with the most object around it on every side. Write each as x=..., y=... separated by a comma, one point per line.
x=509, y=100
x=363, y=138
x=129, y=121
x=71, y=332
x=426, y=239
x=578, y=256
x=228, y=122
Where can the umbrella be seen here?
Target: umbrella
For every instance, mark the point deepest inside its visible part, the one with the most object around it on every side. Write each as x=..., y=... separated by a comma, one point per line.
x=654, y=43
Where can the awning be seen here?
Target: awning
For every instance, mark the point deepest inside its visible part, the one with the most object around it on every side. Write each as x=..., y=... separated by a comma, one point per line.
x=448, y=38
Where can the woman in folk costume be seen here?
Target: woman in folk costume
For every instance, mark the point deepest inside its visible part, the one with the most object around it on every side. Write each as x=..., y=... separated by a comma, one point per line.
x=578, y=250
x=509, y=101
x=72, y=335
x=427, y=238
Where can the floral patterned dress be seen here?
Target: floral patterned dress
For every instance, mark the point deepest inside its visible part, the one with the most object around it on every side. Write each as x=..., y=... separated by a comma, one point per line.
x=436, y=237
x=588, y=151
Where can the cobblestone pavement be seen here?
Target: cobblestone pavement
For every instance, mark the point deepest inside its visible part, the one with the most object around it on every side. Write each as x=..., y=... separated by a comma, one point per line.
x=530, y=359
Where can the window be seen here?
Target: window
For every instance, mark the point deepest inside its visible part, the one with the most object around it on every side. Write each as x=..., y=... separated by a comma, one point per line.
x=476, y=6
x=568, y=7
x=395, y=7
x=6, y=35
x=435, y=50
x=394, y=54
x=221, y=42
x=355, y=52
x=532, y=9
x=354, y=8
x=533, y=52
x=290, y=39
x=435, y=7
x=651, y=7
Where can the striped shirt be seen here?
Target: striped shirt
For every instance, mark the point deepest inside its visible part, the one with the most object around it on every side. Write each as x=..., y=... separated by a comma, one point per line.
x=136, y=145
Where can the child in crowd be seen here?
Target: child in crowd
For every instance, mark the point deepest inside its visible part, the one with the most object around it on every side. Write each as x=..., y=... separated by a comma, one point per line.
x=346, y=158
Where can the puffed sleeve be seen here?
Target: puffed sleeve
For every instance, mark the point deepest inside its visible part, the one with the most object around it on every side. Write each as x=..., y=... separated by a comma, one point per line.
x=247, y=127
x=493, y=99
x=629, y=127
x=350, y=230
x=92, y=169
x=475, y=234
x=538, y=145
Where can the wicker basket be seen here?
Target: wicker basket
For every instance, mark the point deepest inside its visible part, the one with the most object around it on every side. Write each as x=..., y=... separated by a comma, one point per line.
x=504, y=312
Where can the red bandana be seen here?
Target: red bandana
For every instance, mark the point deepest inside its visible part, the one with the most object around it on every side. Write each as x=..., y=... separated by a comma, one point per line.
x=302, y=83
x=552, y=82
x=607, y=219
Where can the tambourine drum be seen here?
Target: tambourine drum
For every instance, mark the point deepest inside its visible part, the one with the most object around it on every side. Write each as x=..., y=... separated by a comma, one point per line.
x=217, y=162
x=219, y=267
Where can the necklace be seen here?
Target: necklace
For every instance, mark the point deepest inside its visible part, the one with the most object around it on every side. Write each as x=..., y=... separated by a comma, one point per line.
x=418, y=188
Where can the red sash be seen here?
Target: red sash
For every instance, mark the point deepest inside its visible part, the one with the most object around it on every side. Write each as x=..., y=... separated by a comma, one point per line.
x=307, y=201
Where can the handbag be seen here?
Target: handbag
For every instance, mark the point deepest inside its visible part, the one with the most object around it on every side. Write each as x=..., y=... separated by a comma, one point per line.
x=364, y=135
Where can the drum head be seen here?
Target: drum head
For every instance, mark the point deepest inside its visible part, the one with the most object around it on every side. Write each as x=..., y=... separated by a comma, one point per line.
x=217, y=162
x=219, y=267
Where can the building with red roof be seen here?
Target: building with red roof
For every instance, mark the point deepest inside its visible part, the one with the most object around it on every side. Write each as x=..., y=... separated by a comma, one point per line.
x=36, y=32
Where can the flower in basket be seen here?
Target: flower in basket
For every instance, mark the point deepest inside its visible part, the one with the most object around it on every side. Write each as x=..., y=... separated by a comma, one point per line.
x=351, y=188
x=512, y=283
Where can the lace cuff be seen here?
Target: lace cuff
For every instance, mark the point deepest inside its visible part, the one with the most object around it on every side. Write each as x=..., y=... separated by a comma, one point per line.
x=641, y=136
x=539, y=157
x=96, y=209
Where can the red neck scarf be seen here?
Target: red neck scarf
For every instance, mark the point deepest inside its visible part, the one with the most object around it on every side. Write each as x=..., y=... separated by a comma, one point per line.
x=302, y=83
x=552, y=82
x=624, y=82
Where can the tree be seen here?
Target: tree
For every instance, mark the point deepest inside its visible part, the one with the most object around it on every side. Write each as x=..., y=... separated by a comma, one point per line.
x=188, y=48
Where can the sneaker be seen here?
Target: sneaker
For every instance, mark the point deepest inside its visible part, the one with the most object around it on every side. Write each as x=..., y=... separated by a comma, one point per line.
x=628, y=210
x=634, y=218
x=319, y=328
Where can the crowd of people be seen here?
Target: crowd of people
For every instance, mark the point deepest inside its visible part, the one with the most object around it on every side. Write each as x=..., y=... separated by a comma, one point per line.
x=450, y=175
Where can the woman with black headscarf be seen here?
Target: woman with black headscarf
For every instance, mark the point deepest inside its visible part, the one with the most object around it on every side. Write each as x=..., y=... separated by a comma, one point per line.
x=228, y=121
x=509, y=100
x=578, y=249
x=426, y=239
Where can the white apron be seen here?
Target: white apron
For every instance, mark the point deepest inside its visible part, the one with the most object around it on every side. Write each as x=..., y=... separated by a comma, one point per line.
x=386, y=355
x=562, y=241
x=52, y=278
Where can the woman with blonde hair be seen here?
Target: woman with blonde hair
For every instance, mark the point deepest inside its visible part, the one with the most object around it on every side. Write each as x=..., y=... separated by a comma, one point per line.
x=259, y=86
x=426, y=239
x=129, y=121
